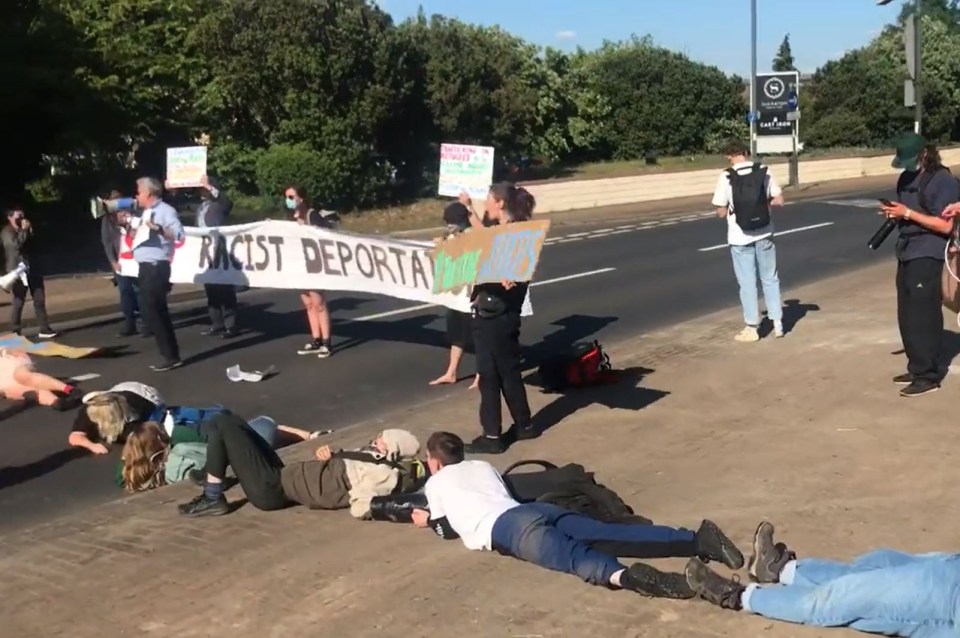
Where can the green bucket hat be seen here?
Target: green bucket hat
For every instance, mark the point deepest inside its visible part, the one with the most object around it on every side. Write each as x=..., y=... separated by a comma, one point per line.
x=909, y=146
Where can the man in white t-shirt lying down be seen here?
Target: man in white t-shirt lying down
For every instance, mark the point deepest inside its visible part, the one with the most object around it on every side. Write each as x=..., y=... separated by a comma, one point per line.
x=469, y=500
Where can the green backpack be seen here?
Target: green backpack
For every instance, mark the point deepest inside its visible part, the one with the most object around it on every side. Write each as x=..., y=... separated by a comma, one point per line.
x=183, y=458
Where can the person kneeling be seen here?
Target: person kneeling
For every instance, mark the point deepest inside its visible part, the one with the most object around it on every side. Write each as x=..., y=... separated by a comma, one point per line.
x=335, y=480
x=469, y=500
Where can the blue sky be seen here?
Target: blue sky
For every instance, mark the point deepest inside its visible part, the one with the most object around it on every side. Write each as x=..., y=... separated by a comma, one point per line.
x=713, y=31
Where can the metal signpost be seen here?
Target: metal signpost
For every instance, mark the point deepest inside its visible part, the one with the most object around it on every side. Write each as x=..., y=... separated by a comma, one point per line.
x=777, y=116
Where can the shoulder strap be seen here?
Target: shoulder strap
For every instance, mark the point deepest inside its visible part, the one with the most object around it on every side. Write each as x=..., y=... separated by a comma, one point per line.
x=922, y=190
x=363, y=457
x=547, y=465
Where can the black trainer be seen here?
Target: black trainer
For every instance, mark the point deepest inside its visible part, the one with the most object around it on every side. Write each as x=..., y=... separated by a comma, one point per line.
x=230, y=333
x=485, y=445
x=768, y=557
x=67, y=403
x=212, y=332
x=312, y=347
x=712, y=544
x=920, y=387
x=648, y=581
x=903, y=379
x=166, y=366
x=712, y=587
x=202, y=506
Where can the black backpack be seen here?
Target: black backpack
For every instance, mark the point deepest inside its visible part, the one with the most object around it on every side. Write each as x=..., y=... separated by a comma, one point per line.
x=750, y=203
x=570, y=487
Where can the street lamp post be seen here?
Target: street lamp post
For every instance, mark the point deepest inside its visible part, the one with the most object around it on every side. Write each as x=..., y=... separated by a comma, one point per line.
x=753, y=78
x=914, y=44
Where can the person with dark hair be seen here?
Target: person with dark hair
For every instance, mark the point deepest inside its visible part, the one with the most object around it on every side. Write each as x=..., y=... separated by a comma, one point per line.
x=459, y=330
x=112, y=229
x=743, y=196
x=496, y=332
x=314, y=301
x=221, y=298
x=19, y=247
x=470, y=501
x=925, y=189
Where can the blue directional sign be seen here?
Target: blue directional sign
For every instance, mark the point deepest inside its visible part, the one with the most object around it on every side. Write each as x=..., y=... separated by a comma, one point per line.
x=792, y=101
x=751, y=117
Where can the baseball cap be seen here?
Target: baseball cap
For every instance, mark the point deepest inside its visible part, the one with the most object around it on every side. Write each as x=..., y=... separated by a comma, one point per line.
x=909, y=146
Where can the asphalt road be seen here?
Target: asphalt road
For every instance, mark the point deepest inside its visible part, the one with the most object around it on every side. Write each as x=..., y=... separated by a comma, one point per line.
x=609, y=281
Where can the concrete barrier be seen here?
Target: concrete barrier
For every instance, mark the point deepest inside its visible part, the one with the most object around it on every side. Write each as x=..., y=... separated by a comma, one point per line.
x=594, y=193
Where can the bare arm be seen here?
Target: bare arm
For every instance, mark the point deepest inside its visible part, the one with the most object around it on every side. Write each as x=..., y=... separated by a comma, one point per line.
x=79, y=439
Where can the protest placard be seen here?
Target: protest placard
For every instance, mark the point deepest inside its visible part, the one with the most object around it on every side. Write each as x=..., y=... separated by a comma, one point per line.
x=186, y=166
x=507, y=252
x=465, y=168
x=287, y=255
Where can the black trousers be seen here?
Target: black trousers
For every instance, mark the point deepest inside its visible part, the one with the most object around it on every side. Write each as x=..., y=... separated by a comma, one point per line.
x=154, y=282
x=38, y=294
x=920, y=316
x=231, y=442
x=221, y=306
x=497, y=344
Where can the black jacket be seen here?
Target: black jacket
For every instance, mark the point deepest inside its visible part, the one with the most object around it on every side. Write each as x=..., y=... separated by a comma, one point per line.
x=218, y=210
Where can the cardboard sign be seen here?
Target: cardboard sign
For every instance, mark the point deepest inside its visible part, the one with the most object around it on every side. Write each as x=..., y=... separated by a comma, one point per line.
x=465, y=168
x=507, y=252
x=186, y=166
x=14, y=341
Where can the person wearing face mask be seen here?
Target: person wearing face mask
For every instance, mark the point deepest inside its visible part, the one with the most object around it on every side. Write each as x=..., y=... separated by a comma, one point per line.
x=295, y=200
x=221, y=298
x=924, y=189
x=496, y=332
x=19, y=246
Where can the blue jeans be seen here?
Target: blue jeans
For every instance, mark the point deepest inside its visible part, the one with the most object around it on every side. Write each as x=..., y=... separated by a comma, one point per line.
x=558, y=539
x=129, y=306
x=758, y=258
x=882, y=592
x=266, y=428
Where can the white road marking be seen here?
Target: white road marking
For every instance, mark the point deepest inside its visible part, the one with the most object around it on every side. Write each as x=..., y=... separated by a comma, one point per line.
x=425, y=306
x=776, y=234
x=90, y=376
x=578, y=234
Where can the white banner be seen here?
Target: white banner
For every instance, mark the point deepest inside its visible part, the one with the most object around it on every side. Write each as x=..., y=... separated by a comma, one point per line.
x=288, y=255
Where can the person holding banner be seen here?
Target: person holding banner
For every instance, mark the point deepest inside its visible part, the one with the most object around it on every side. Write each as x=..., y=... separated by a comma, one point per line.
x=295, y=200
x=496, y=333
x=153, y=244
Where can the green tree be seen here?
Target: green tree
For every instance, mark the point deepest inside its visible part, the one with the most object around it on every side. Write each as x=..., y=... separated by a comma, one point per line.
x=783, y=61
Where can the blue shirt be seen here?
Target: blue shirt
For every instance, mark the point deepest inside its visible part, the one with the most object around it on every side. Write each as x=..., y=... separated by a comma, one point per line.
x=157, y=247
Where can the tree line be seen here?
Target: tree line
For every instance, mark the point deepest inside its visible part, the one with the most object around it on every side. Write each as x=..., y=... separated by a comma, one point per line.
x=334, y=95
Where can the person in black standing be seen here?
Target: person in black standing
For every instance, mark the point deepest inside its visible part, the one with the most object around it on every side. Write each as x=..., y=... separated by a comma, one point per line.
x=924, y=190
x=157, y=232
x=496, y=333
x=221, y=298
x=19, y=246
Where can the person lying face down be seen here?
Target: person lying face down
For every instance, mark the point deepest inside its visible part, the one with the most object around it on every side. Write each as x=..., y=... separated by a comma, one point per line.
x=19, y=381
x=336, y=479
x=108, y=417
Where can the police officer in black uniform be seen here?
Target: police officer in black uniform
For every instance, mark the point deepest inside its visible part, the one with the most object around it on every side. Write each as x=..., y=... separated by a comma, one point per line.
x=496, y=333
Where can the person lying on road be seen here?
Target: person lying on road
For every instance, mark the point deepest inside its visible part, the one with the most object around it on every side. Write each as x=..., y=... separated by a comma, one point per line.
x=20, y=382
x=469, y=500
x=335, y=480
x=882, y=592
x=152, y=457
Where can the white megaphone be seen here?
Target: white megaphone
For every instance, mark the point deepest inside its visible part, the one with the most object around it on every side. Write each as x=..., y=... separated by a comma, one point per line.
x=100, y=207
x=20, y=272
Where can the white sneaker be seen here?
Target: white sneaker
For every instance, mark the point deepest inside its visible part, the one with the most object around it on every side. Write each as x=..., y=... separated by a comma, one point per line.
x=778, y=330
x=747, y=335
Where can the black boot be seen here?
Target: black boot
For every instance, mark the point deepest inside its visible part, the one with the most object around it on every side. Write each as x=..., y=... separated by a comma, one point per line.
x=768, y=558
x=397, y=508
x=712, y=587
x=647, y=581
x=712, y=544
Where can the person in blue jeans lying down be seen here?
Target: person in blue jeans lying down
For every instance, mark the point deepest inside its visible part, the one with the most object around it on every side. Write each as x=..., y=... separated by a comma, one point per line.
x=469, y=500
x=881, y=592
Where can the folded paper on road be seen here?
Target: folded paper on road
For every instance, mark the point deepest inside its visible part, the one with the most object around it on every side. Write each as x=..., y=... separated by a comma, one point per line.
x=235, y=374
x=287, y=255
x=44, y=348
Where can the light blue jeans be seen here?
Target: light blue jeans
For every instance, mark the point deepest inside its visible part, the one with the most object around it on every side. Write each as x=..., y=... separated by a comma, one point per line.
x=882, y=592
x=758, y=258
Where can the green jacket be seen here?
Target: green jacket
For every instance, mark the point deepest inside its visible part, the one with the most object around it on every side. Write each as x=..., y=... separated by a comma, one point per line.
x=181, y=434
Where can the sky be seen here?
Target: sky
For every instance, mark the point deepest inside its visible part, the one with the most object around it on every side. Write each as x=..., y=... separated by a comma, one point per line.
x=716, y=32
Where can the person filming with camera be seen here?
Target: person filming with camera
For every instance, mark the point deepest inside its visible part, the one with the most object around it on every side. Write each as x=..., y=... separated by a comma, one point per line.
x=925, y=188
x=19, y=246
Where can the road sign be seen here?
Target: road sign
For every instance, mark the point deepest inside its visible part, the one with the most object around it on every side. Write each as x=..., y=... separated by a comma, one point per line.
x=793, y=116
x=773, y=93
x=751, y=117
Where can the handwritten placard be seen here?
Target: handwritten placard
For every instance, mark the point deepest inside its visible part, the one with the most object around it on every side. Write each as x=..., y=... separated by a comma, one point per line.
x=465, y=168
x=484, y=255
x=186, y=166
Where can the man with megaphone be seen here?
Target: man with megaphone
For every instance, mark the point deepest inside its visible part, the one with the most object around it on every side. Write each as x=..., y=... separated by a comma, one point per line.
x=23, y=273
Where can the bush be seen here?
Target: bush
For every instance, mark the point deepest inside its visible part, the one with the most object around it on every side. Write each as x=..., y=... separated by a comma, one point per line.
x=839, y=128
x=236, y=166
x=724, y=129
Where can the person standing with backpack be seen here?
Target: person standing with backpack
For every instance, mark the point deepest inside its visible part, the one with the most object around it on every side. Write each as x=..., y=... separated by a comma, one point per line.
x=925, y=189
x=744, y=194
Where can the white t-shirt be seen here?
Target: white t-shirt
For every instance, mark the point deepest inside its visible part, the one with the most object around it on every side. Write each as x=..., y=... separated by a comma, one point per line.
x=472, y=496
x=723, y=198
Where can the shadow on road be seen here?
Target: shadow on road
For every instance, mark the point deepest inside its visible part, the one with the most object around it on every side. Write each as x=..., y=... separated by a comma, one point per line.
x=572, y=329
x=794, y=312
x=14, y=475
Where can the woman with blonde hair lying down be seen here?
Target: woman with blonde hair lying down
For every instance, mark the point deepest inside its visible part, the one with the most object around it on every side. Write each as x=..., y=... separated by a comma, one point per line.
x=152, y=457
x=20, y=382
